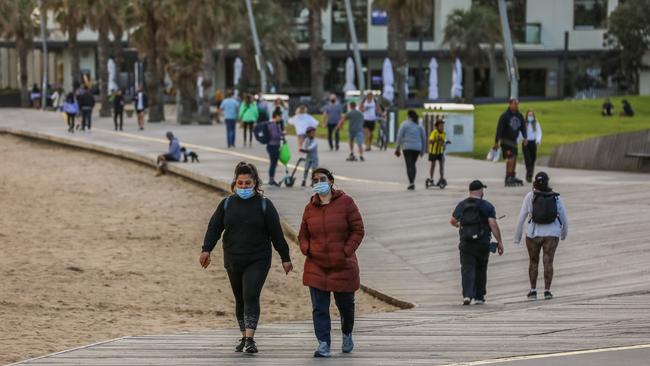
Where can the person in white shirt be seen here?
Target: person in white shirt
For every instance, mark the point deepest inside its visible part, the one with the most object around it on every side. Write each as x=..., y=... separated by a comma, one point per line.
x=370, y=109
x=534, y=139
x=547, y=224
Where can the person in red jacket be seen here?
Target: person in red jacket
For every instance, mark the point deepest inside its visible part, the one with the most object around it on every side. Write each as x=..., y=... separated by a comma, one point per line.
x=330, y=233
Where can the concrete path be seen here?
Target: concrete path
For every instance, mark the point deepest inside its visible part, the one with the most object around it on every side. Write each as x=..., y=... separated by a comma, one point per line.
x=410, y=255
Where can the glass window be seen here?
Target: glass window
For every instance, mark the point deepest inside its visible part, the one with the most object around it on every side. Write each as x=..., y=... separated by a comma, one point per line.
x=340, y=21
x=426, y=29
x=516, y=10
x=589, y=14
x=532, y=82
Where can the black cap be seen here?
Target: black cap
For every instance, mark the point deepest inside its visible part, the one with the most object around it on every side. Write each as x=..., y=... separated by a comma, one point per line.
x=476, y=185
x=541, y=179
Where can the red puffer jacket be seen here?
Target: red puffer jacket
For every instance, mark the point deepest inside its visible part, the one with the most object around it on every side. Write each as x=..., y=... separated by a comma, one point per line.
x=329, y=237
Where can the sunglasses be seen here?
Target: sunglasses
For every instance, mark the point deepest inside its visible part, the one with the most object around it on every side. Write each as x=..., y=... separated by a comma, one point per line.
x=319, y=180
x=244, y=182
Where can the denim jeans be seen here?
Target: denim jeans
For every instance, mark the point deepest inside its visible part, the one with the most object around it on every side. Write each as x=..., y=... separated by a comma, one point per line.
x=332, y=130
x=473, y=268
x=320, y=303
x=274, y=154
x=311, y=162
x=231, y=125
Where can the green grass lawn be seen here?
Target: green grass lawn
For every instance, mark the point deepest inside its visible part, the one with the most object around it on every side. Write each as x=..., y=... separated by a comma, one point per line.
x=562, y=122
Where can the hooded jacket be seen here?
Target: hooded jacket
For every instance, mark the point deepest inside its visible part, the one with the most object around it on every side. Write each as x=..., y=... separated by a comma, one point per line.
x=329, y=236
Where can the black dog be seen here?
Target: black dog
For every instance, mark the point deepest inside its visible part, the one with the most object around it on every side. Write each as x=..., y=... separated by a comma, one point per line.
x=194, y=156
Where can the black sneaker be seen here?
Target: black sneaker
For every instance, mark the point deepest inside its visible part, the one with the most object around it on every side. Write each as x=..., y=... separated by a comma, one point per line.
x=532, y=295
x=411, y=187
x=250, y=346
x=467, y=301
x=304, y=183
x=240, y=346
x=361, y=158
x=351, y=158
x=479, y=301
x=548, y=295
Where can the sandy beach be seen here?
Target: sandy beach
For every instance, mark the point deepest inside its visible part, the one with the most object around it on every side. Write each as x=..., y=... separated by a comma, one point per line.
x=95, y=248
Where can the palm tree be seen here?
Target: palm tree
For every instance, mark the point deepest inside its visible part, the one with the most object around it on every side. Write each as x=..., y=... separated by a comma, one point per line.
x=204, y=30
x=151, y=21
x=403, y=17
x=20, y=27
x=100, y=15
x=277, y=45
x=183, y=66
x=71, y=20
x=316, y=54
x=472, y=34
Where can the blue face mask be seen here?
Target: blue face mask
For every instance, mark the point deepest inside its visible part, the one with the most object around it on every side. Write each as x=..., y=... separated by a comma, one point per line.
x=531, y=119
x=322, y=188
x=245, y=193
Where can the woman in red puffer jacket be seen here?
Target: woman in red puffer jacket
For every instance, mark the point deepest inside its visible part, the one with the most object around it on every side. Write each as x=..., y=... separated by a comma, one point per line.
x=330, y=233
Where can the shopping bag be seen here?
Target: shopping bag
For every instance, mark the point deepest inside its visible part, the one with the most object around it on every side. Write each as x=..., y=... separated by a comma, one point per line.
x=493, y=155
x=285, y=154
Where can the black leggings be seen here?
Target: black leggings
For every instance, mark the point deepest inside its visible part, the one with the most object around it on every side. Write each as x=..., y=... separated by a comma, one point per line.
x=120, y=115
x=530, y=156
x=410, y=157
x=86, y=118
x=247, y=280
x=248, y=127
x=332, y=130
x=71, y=117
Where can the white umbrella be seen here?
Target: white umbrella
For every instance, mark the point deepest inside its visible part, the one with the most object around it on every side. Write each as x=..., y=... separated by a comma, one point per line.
x=112, y=85
x=199, y=86
x=406, y=81
x=433, y=79
x=239, y=65
x=457, y=80
x=388, y=80
x=349, y=76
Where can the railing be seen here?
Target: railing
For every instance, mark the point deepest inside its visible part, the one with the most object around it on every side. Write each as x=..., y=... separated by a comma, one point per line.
x=528, y=33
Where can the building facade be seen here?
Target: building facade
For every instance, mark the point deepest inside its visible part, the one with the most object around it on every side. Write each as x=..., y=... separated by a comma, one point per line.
x=558, y=45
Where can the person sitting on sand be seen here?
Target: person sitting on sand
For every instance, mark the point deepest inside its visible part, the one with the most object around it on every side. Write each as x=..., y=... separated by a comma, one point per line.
x=173, y=154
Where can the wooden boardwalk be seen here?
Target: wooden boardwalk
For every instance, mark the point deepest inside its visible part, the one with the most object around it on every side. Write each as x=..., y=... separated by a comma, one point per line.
x=410, y=254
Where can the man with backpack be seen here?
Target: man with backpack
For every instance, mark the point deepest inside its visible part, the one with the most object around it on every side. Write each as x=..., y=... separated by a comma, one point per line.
x=476, y=220
x=547, y=224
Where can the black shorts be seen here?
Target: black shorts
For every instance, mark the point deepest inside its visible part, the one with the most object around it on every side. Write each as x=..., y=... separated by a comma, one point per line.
x=438, y=157
x=369, y=125
x=508, y=150
x=169, y=157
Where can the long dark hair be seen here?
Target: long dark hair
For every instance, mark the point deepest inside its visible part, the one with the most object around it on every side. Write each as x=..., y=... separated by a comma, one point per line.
x=413, y=115
x=534, y=119
x=541, y=182
x=250, y=169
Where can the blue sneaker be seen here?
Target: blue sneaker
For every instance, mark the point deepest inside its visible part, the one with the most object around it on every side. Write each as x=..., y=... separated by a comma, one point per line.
x=323, y=350
x=348, y=344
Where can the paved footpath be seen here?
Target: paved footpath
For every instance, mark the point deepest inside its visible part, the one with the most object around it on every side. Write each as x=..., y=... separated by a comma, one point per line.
x=410, y=255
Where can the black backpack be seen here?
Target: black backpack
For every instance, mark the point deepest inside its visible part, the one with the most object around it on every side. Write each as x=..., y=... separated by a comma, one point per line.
x=544, y=207
x=471, y=225
x=262, y=133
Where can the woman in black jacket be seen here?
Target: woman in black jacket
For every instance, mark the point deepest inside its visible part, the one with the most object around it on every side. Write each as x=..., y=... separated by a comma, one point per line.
x=249, y=223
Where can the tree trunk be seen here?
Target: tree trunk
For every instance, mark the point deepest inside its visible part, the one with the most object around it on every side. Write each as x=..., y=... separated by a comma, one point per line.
x=468, y=88
x=24, y=88
x=154, y=84
x=75, y=67
x=397, y=52
x=104, y=48
x=118, y=54
x=492, y=60
x=316, y=52
x=188, y=106
x=208, y=72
